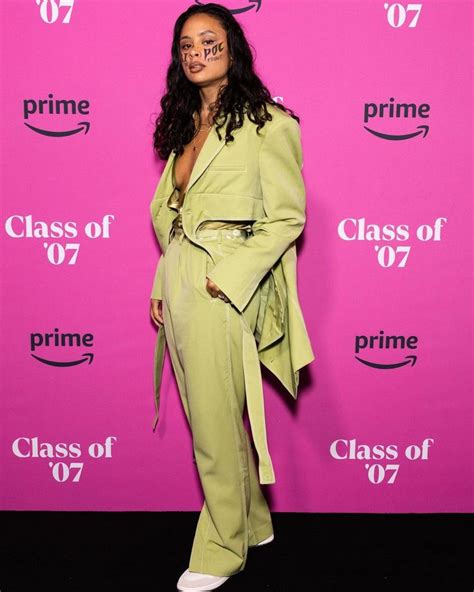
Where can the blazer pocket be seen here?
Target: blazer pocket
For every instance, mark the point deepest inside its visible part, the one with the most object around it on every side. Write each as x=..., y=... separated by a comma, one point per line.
x=227, y=207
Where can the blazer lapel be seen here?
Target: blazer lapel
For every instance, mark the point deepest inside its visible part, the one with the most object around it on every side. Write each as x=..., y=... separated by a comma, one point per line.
x=165, y=186
x=210, y=149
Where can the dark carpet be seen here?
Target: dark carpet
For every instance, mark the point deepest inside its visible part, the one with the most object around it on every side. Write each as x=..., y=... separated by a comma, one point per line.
x=147, y=551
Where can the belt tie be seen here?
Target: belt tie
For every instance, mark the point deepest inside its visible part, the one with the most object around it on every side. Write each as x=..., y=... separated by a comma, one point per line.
x=159, y=358
x=255, y=402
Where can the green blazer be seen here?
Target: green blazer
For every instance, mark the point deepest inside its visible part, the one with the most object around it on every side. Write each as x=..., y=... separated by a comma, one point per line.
x=255, y=177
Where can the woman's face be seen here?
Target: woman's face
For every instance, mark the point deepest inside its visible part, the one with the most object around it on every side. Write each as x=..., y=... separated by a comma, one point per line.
x=203, y=48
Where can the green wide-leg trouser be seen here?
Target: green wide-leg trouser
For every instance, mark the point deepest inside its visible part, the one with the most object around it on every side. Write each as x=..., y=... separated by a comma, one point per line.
x=206, y=341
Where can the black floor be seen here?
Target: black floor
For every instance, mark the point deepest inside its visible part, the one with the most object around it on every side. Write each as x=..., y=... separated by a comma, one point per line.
x=145, y=551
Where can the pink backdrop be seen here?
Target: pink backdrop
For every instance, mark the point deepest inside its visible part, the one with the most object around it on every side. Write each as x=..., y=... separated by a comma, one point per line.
x=375, y=429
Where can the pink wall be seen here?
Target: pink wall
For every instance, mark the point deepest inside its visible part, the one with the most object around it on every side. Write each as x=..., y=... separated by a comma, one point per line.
x=329, y=61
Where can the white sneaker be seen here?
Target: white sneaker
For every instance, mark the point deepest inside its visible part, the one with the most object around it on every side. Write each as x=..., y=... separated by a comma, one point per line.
x=194, y=580
x=265, y=541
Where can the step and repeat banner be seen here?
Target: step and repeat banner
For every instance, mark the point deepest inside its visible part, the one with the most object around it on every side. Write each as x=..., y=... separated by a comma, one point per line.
x=383, y=420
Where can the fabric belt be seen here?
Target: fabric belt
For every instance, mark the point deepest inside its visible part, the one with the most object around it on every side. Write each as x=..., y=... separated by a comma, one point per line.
x=228, y=233
x=251, y=365
x=213, y=233
x=255, y=402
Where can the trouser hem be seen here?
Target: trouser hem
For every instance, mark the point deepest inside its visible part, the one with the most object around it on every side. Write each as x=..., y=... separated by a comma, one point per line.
x=263, y=531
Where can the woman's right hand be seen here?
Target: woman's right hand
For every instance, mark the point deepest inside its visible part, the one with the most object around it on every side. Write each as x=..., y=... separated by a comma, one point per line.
x=156, y=312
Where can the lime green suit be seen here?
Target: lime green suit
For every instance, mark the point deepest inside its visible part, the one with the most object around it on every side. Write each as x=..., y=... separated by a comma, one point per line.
x=216, y=347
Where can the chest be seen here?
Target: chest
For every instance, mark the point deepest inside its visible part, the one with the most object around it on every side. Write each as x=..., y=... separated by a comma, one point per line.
x=184, y=163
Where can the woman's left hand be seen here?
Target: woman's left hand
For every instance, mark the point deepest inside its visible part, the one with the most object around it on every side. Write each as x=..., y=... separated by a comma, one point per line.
x=215, y=291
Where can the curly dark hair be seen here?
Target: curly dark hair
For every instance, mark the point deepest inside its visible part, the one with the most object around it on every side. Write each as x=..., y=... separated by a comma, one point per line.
x=244, y=93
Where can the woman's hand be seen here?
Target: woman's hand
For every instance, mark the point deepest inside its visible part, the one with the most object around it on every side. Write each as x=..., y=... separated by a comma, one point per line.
x=156, y=312
x=215, y=291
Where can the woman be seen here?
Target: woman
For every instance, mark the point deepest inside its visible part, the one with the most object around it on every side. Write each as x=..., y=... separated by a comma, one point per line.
x=226, y=212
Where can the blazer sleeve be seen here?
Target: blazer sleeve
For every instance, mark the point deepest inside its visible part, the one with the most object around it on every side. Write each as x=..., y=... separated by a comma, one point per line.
x=156, y=290
x=284, y=202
